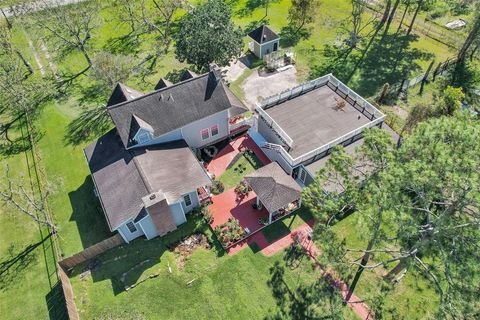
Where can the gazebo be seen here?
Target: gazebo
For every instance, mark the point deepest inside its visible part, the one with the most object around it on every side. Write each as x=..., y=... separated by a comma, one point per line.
x=278, y=192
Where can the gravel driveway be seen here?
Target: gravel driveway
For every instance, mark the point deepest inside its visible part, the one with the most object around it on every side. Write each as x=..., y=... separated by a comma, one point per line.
x=258, y=87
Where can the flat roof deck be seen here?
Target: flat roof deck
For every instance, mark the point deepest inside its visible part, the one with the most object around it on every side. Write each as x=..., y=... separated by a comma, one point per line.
x=313, y=119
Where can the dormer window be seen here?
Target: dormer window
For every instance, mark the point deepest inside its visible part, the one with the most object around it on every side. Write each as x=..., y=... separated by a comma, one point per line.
x=143, y=137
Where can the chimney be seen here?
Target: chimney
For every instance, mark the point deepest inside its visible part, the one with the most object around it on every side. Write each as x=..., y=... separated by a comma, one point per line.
x=215, y=72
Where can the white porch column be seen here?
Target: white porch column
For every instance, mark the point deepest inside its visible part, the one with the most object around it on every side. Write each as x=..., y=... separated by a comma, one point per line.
x=300, y=202
x=269, y=218
x=258, y=202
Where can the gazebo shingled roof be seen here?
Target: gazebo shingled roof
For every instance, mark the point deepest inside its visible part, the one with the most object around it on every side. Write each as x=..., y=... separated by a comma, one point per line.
x=274, y=188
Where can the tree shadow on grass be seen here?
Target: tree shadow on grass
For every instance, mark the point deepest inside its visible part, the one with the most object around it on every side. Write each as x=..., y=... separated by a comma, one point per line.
x=318, y=300
x=250, y=6
x=391, y=60
x=12, y=266
x=290, y=36
x=91, y=123
x=127, y=44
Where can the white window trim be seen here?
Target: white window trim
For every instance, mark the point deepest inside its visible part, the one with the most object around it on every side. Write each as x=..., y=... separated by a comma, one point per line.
x=189, y=198
x=126, y=225
x=303, y=173
x=201, y=134
x=218, y=130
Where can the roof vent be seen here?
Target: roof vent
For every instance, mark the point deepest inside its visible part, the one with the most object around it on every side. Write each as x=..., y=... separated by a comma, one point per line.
x=264, y=37
x=152, y=196
x=170, y=97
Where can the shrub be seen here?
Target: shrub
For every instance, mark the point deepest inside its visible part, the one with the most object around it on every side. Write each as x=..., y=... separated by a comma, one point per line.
x=217, y=187
x=229, y=232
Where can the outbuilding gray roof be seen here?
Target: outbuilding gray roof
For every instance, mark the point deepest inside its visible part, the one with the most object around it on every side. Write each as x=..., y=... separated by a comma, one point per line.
x=122, y=177
x=175, y=106
x=263, y=34
x=274, y=188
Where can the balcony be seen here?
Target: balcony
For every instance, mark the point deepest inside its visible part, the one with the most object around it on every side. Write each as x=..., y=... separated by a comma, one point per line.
x=240, y=123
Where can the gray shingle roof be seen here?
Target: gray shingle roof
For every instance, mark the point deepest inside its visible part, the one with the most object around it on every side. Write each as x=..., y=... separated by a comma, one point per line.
x=175, y=106
x=188, y=74
x=122, y=93
x=122, y=177
x=274, y=188
x=263, y=34
x=163, y=83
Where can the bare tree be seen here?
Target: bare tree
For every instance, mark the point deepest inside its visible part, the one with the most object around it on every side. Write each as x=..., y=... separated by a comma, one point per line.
x=7, y=47
x=356, y=25
x=14, y=194
x=70, y=26
x=129, y=12
x=165, y=10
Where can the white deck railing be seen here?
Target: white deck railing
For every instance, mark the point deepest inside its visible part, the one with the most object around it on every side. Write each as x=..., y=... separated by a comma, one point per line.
x=359, y=103
x=270, y=122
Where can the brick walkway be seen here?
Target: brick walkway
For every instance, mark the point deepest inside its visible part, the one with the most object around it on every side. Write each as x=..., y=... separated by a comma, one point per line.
x=360, y=308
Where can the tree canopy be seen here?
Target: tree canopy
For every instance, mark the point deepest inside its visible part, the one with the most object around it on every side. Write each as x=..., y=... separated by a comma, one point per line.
x=208, y=35
x=418, y=206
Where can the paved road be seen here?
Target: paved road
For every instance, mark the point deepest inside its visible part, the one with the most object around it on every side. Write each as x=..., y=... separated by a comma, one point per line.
x=36, y=6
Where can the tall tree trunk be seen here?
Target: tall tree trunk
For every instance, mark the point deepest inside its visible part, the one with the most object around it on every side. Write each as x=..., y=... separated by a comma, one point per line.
x=25, y=62
x=86, y=55
x=472, y=54
x=420, y=2
x=9, y=24
x=407, y=6
x=390, y=18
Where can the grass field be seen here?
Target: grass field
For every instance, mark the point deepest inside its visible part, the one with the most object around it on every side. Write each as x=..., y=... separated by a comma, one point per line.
x=208, y=284
x=25, y=288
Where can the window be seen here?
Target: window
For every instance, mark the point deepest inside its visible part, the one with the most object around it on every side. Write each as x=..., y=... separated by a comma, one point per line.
x=131, y=227
x=205, y=134
x=188, y=201
x=214, y=130
x=303, y=175
x=143, y=137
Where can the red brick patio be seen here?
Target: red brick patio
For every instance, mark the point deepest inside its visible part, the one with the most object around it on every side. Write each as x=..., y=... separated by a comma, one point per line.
x=220, y=162
x=226, y=205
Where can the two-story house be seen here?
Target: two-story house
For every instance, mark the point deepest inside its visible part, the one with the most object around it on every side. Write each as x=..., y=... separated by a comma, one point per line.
x=146, y=175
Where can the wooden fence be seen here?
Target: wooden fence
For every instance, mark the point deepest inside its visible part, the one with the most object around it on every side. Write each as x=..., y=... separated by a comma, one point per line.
x=68, y=293
x=91, y=252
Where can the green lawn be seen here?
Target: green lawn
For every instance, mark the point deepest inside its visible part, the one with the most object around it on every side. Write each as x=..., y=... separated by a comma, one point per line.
x=27, y=264
x=245, y=164
x=283, y=227
x=209, y=285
